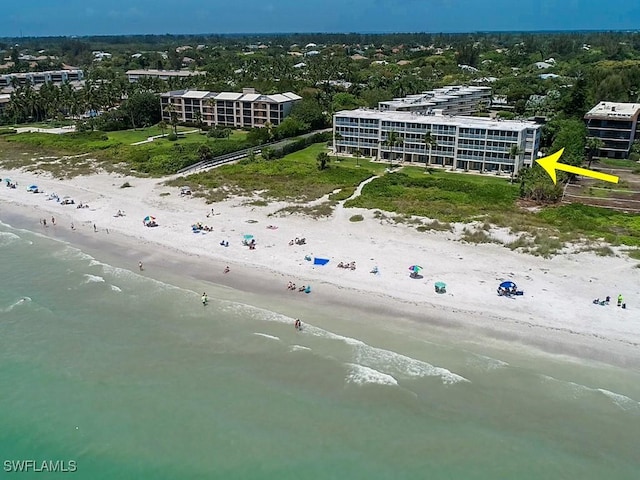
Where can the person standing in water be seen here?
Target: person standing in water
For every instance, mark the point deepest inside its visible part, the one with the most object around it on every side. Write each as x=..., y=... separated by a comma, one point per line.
x=205, y=299
x=140, y=266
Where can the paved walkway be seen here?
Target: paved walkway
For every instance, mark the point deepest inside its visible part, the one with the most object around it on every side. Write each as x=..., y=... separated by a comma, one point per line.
x=57, y=131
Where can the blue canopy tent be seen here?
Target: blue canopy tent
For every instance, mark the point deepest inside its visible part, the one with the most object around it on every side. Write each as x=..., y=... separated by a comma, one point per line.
x=508, y=288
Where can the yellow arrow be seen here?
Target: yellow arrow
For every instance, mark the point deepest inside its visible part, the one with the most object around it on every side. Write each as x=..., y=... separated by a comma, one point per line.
x=550, y=165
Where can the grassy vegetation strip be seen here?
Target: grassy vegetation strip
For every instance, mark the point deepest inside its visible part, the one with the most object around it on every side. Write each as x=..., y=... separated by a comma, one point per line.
x=443, y=196
x=160, y=157
x=295, y=177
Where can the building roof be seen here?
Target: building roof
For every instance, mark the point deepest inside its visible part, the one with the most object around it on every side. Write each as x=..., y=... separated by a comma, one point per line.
x=165, y=73
x=228, y=96
x=457, y=120
x=613, y=110
x=232, y=96
x=438, y=95
x=195, y=94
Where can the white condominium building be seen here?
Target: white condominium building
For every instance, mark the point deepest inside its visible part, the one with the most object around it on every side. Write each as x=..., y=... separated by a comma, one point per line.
x=135, y=75
x=452, y=100
x=466, y=143
x=39, y=78
x=246, y=109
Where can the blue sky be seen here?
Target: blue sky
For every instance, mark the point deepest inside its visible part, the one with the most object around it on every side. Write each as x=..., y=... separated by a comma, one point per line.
x=114, y=17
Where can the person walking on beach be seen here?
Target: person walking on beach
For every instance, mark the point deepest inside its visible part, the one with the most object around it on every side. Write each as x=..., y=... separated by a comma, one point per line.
x=44, y=222
x=619, y=299
x=95, y=229
x=140, y=266
x=72, y=226
x=53, y=221
x=226, y=269
x=205, y=299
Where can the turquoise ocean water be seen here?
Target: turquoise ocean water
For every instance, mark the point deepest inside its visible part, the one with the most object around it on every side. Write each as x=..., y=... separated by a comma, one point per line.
x=130, y=377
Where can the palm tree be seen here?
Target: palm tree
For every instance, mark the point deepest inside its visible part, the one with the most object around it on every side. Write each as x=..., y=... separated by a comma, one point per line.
x=323, y=160
x=197, y=116
x=336, y=137
x=162, y=125
x=430, y=141
x=393, y=140
x=357, y=154
x=173, y=116
x=593, y=147
x=514, y=152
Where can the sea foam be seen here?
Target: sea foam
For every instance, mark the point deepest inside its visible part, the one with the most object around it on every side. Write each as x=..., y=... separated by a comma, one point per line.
x=93, y=278
x=265, y=335
x=618, y=399
x=361, y=375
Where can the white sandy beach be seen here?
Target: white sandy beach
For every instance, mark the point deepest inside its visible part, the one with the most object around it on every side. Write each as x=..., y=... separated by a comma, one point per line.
x=556, y=307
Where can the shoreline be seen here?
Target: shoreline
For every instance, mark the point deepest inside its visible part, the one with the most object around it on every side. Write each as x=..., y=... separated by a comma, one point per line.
x=556, y=326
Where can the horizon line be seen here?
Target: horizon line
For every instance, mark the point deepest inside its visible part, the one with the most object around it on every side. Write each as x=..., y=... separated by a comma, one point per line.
x=293, y=33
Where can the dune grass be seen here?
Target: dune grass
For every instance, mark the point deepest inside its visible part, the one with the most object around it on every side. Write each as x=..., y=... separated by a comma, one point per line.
x=295, y=177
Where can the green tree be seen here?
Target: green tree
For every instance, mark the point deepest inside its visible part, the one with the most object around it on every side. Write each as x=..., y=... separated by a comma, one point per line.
x=173, y=117
x=323, y=160
x=571, y=135
x=204, y=152
x=430, y=141
x=593, y=146
x=162, y=125
x=357, y=153
x=393, y=140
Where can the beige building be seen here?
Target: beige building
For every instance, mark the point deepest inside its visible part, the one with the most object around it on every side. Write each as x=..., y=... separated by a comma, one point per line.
x=135, y=75
x=246, y=109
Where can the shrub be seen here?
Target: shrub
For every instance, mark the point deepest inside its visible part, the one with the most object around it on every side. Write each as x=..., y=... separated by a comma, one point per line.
x=356, y=218
x=125, y=185
x=172, y=137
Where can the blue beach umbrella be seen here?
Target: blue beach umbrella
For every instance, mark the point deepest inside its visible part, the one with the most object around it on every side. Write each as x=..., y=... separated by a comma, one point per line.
x=33, y=187
x=247, y=237
x=507, y=284
x=415, y=268
x=440, y=285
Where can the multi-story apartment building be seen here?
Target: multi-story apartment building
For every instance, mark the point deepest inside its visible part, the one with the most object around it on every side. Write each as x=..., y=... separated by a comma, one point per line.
x=246, y=109
x=466, y=143
x=135, y=75
x=616, y=124
x=38, y=78
x=452, y=100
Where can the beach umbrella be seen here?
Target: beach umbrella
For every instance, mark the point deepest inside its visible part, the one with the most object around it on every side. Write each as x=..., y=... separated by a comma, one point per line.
x=507, y=284
x=148, y=218
x=33, y=187
x=7, y=180
x=415, y=268
x=440, y=285
x=248, y=237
